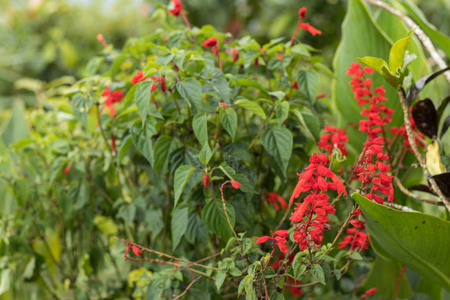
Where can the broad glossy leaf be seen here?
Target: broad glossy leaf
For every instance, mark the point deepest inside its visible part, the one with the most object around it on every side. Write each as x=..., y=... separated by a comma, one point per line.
x=309, y=122
x=374, y=62
x=179, y=224
x=425, y=117
x=228, y=119
x=181, y=177
x=278, y=142
x=215, y=220
x=397, y=53
x=281, y=111
x=191, y=90
x=417, y=240
x=252, y=107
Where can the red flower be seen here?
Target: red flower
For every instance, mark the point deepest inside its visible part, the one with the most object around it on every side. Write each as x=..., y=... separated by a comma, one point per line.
x=138, y=77
x=205, y=180
x=278, y=238
x=235, y=55
x=307, y=27
x=102, y=40
x=178, y=7
x=235, y=184
x=67, y=169
x=211, y=42
x=302, y=13
x=274, y=198
x=224, y=105
x=113, y=97
x=136, y=250
x=295, y=85
x=368, y=293
x=338, y=138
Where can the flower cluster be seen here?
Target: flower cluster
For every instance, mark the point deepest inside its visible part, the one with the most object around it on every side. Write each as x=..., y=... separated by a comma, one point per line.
x=315, y=206
x=333, y=139
x=111, y=98
x=356, y=238
x=371, y=168
x=278, y=238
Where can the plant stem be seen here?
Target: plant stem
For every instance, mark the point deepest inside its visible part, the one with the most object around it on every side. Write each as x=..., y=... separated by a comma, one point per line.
x=416, y=151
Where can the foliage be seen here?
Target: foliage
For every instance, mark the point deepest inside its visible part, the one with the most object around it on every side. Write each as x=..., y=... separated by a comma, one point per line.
x=163, y=172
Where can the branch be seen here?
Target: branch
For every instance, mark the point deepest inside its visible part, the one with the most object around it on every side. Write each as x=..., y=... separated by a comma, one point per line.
x=416, y=151
x=419, y=32
x=412, y=195
x=187, y=288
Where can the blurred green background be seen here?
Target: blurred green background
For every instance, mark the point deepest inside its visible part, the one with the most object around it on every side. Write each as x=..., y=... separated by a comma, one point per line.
x=47, y=39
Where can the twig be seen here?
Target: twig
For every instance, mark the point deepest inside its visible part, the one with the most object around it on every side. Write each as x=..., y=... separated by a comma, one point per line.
x=419, y=32
x=163, y=262
x=412, y=195
x=412, y=142
x=165, y=255
x=187, y=288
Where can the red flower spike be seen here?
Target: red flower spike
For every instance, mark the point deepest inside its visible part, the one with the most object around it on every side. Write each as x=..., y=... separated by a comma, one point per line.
x=205, y=180
x=302, y=13
x=211, y=42
x=235, y=184
x=136, y=250
x=113, y=97
x=274, y=198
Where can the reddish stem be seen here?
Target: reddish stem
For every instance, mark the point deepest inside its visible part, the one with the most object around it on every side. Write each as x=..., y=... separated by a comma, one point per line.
x=186, y=20
x=397, y=287
x=295, y=33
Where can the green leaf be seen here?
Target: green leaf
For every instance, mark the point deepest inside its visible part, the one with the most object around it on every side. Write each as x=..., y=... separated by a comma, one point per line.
x=299, y=269
x=317, y=273
x=179, y=224
x=244, y=282
x=219, y=83
x=274, y=295
x=307, y=83
x=252, y=107
x=142, y=98
x=220, y=278
x=205, y=154
x=355, y=256
x=181, y=177
x=246, y=186
x=191, y=90
x=127, y=212
x=196, y=232
x=397, y=53
x=142, y=139
x=281, y=111
x=383, y=275
x=163, y=148
x=374, y=62
x=200, y=127
x=17, y=126
x=441, y=40
x=278, y=142
x=215, y=219
x=80, y=108
x=228, y=119
x=427, y=253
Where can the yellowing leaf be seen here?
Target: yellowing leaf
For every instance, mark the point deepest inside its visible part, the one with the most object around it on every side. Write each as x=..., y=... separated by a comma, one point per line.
x=434, y=163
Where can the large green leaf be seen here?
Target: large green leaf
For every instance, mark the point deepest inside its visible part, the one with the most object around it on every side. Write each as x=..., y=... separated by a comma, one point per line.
x=181, y=177
x=179, y=224
x=307, y=83
x=200, y=127
x=360, y=37
x=142, y=98
x=163, y=148
x=417, y=240
x=228, y=119
x=278, y=142
x=17, y=127
x=191, y=90
x=215, y=220
x=252, y=107
x=142, y=139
